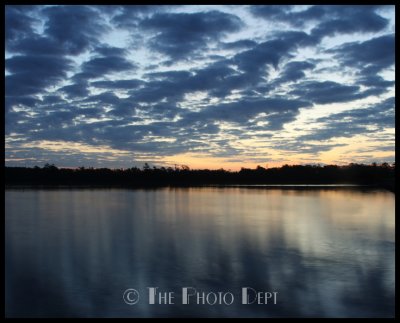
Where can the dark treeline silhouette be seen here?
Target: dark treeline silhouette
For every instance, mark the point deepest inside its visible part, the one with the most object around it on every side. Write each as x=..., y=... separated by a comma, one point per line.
x=375, y=174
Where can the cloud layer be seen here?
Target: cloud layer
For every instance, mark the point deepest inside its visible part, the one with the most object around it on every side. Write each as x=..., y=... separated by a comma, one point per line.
x=232, y=84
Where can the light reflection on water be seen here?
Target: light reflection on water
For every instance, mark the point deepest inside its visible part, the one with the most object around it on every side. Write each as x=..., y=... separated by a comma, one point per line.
x=328, y=253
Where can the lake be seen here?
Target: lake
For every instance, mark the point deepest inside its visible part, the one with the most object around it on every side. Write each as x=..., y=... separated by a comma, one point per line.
x=247, y=252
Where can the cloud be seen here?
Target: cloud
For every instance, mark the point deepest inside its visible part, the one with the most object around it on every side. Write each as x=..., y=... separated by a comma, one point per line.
x=330, y=19
x=107, y=60
x=302, y=147
x=74, y=28
x=103, y=98
x=100, y=66
x=380, y=115
x=355, y=121
x=220, y=78
x=159, y=90
x=180, y=35
x=118, y=84
x=50, y=100
x=162, y=110
x=117, y=107
x=271, y=12
x=108, y=51
x=68, y=157
x=18, y=23
x=36, y=45
x=75, y=90
x=294, y=71
x=327, y=92
x=245, y=109
x=60, y=125
x=375, y=81
x=129, y=16
x=370, y=56
x=239, y=44
x=349, y=19
x=27, y=101
x=271, y=52
x=160, y=80
x=33, y=74
x=18, y=121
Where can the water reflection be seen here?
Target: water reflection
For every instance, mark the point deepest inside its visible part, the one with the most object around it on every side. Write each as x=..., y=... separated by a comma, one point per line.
x=74, y=252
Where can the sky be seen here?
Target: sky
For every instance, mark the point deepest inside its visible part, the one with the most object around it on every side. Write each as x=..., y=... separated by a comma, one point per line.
x=220, y=86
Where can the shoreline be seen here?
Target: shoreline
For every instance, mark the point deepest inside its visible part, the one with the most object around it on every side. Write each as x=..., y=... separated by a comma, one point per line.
x=296, y=186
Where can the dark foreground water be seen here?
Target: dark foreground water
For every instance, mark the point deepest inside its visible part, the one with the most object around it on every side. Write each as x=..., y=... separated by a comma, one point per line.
x=325, y=253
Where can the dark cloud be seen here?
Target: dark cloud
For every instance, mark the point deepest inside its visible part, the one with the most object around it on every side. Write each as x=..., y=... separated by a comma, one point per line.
x=301, y=147
x=27, y=101
x=240, y=44
x=33, y=74
x=180, y=35
x=289, y=15
x=18, y=23
x=117, y=136
x=327, y=92
x=192, y=125
x=100, y=66
x=159, y=90
x=36, y=45
x=42, y=63
x=271, y=52
x=253, y=85
x=129, y=16
x=107, y=51
x=380, y=115
x=119, y=107
x=52, y=99
x=50, y=43
x=369, y=57
x=220, y=78
x=170, y=75
x=243, y=110
x=103, y=98
x=294, y=71
x=75, y=90
x=107, y=60
x=74, y=28
x=162, y=110
x=356, y=121
x=70, y=157
x=376, y=81
x=349, y=19
x=271, y=12
x=119, y=84
x=214, y=78
x=16, y=119
x=332, y=19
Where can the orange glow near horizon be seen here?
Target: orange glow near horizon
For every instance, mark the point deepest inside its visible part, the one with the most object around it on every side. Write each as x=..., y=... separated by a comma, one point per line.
x=350, y=152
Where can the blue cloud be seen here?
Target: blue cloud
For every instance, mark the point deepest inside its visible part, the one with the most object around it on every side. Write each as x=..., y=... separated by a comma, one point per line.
x=332, y=19
x=370, y=56
x=18, y=23
x=180, y=35
x=33, y=74
x=131, y=77
x=74, y=28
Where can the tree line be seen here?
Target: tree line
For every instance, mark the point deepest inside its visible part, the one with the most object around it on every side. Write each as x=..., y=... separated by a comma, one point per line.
x=371, y=174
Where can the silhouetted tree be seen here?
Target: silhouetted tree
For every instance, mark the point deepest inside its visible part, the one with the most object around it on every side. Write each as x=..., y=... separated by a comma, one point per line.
x=373, y=174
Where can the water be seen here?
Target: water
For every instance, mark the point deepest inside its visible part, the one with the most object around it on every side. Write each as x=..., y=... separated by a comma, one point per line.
x=324, y=252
